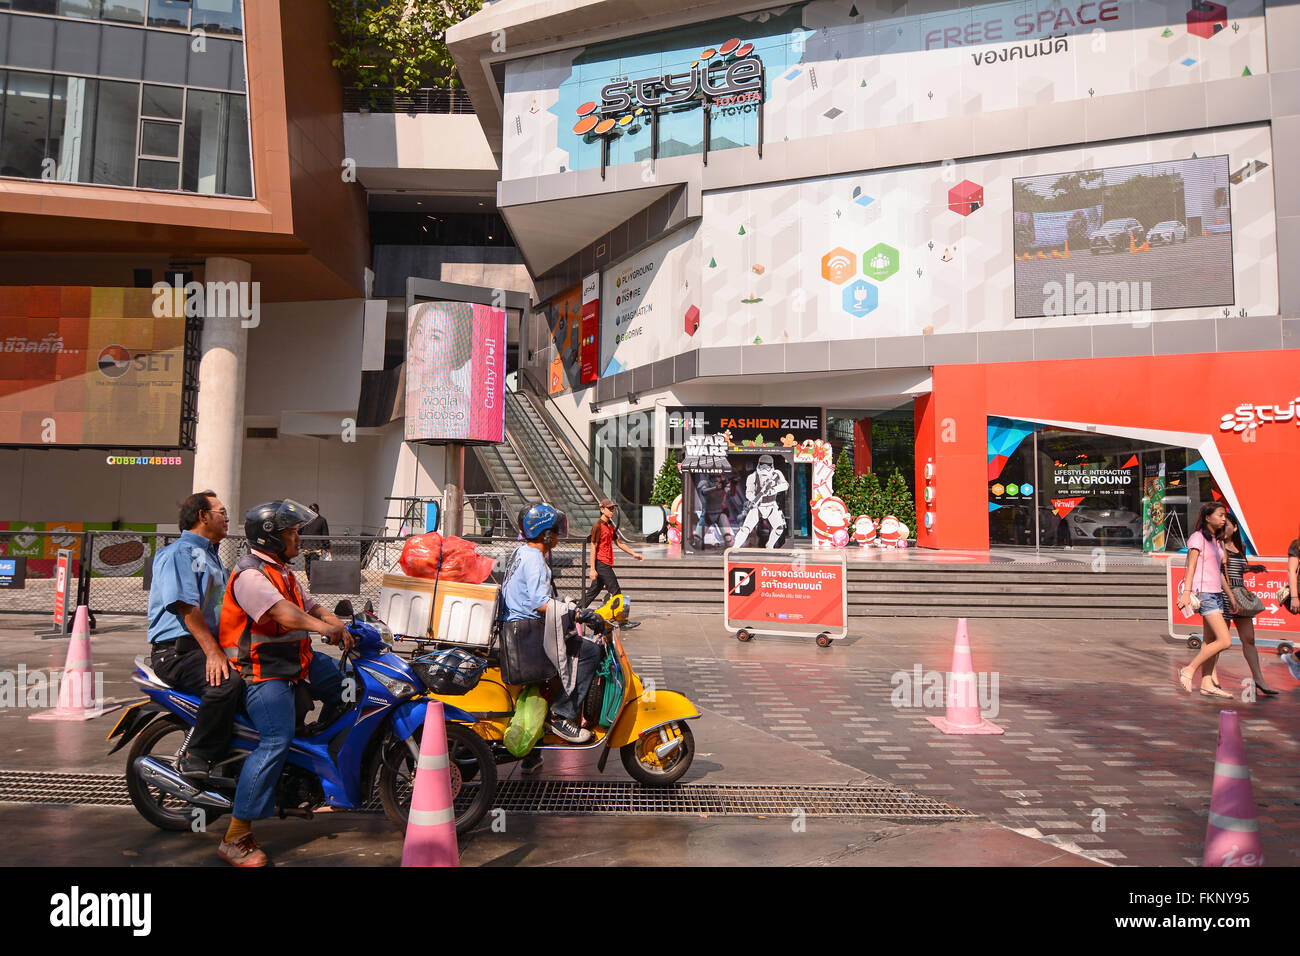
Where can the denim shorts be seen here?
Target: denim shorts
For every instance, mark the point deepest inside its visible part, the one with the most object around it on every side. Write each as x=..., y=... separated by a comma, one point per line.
x=1212, y=601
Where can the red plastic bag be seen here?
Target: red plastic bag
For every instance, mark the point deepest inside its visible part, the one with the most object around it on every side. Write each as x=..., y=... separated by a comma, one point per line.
x=448, y=559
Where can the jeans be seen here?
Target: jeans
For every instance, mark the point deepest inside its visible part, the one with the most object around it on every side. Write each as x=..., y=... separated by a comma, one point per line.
x=270, y=705
x=1213, y=602
x=569, y=706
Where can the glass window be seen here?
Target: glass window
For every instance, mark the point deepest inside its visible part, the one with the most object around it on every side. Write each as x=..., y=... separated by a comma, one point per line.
x=218, y=16
x=34, y=6
x=124, y=11
x=216, y=144
x=167, y=102
x=155, y=174
x=26, y=124
x=115, y=120
x=89, y=9
x=169, y=13
x=75, y=99
x=159, y=139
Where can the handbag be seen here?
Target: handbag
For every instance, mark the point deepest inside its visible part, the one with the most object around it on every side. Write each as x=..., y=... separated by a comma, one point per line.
x=1248, y=602
x=523, y=656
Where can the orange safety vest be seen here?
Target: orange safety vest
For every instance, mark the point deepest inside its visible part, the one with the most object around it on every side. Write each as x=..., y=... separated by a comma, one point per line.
x=264, y=651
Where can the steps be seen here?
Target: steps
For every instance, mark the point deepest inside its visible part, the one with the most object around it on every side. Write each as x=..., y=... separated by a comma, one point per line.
x=1060, y=590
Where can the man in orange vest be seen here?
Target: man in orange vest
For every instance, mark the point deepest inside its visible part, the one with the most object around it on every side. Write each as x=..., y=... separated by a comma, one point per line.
x=267, y=621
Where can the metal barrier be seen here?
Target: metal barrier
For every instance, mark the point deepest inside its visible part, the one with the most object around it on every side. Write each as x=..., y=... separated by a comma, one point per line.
x=115, y=578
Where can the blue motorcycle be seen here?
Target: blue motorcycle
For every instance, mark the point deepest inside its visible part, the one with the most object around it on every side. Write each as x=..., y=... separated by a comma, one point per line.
x=344, y=761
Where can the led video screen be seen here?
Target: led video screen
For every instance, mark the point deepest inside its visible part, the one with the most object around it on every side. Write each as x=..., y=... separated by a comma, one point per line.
x=1124, y=239
x=83, y=366
x=455, y=369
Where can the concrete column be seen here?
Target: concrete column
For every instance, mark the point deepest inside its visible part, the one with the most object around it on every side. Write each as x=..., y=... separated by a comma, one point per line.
x=453, y=521
x=219, y=436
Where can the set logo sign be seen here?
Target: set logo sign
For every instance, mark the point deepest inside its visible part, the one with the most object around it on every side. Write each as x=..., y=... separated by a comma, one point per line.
x=728, y=74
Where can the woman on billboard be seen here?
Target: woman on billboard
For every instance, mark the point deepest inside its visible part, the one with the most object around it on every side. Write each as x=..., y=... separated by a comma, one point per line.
x=453, y=381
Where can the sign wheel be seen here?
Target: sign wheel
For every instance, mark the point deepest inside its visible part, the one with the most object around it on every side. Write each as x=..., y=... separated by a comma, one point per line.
x=744, y=636
x=1284, y=649
x=823, y=639
x=1193, y=642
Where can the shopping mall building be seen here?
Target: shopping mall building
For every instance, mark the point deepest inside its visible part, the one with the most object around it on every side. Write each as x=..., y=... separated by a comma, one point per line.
x=1045, y=251
x=1049, y=251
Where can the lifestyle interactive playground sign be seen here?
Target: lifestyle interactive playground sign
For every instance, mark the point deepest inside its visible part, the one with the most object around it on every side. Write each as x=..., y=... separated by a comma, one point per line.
x=728, y=76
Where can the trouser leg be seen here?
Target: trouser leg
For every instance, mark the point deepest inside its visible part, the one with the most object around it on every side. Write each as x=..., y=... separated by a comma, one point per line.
x=747, y=528
x=270, y=706
x=325, y=680
x=569, y=706
x=217, y=705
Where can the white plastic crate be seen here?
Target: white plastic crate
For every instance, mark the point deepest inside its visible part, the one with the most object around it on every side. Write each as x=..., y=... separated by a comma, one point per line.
x=456, y=614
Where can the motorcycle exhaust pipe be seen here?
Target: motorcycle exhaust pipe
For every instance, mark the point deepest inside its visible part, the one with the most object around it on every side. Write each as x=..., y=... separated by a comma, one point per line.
x=158, y=774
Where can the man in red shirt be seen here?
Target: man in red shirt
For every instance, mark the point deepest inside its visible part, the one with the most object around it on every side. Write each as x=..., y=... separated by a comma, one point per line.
x=601, y=571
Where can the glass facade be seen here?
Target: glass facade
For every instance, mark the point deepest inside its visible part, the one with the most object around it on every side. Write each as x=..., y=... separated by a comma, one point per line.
x=142, y=106
x=1057, y=487
x=623, y=456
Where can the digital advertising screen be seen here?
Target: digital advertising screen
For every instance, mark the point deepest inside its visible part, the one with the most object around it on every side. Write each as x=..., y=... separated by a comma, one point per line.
x=1124, y=239
x=455, y=372
x=82, y=366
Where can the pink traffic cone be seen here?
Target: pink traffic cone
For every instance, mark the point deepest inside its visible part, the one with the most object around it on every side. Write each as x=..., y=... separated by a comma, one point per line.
x=963, y=715
x=1232, y=834
x=431, y=827
x=77, y=686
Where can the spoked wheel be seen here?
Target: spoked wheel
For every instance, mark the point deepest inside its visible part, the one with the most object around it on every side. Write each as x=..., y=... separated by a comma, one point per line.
x=643, y=763
x=161, y=740
x=473, y=777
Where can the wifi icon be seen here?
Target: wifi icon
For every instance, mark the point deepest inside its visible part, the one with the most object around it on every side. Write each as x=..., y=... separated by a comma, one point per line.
x=839, y=265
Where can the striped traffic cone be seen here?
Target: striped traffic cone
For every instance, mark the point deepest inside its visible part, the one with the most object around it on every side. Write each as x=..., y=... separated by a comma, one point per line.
x=963, y=715
x=77, y=686
x=431, y=826
x=1232, y=834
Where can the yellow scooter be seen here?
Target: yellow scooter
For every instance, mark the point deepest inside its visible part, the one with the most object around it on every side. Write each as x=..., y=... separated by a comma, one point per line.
x=650, y=731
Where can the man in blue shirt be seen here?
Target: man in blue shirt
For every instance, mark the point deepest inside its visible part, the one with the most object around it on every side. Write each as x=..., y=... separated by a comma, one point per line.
x=184, y=620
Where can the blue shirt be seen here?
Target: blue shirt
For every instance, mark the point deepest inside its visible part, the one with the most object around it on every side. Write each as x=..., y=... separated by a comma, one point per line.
x=528, y=584
x=187, y=571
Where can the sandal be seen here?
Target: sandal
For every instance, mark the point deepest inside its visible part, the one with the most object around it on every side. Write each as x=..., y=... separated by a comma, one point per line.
x=1185, y=679
x=1266, y=691
x=1220, y=692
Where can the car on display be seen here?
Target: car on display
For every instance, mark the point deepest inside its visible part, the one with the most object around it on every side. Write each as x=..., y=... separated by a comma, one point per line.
x=1168, y=232
x=1096, y=518
x=1117, y=235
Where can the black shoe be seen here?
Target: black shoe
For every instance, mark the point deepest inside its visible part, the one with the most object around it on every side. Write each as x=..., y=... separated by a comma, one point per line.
x=568, y=730
x=193, y=768
x=327, y=717
x=532, y=763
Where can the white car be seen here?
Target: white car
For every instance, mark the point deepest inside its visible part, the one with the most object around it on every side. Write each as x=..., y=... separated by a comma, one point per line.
x=1096, y=518
x=1168, y=232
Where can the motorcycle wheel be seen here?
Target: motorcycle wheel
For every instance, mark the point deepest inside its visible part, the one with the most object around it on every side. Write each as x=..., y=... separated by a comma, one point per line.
x=470, y=801
x=642, y=765
x=162, y=738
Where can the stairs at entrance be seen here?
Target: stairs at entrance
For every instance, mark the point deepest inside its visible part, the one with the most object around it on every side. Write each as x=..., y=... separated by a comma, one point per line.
x=1055, y=590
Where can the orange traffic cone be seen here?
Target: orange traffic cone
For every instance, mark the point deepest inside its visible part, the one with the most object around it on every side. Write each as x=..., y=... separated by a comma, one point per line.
x=1205, y=234
x=1055, y=254
x=963, y=715
x=1145, y=247
x=77, y=686
x=1232, y=834
x=431, y=826
x=1132, y=245
x=1066, y=253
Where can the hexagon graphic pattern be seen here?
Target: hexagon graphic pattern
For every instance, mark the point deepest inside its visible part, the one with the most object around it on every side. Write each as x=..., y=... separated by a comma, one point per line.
x=880, y=262
x=860, y=298
x=839, y=265
x=966, y=197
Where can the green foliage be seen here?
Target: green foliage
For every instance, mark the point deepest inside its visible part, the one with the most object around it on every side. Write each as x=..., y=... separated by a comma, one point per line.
x=898, y=499
x=668, y=483
x=397, y=44
x=844, y=484
x=869, y=500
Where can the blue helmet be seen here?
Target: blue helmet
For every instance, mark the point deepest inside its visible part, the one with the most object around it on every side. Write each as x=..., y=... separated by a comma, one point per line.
x=540, y=518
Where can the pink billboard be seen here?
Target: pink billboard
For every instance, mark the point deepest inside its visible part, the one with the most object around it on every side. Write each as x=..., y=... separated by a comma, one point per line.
x=455, y=366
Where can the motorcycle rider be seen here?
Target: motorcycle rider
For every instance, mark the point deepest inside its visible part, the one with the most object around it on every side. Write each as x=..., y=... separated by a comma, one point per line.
x=267, y=620
x=760, y=492
x=527, y=594
x=184, y=613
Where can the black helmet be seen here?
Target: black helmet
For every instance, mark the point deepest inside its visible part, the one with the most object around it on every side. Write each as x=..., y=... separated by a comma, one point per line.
x=263, y=523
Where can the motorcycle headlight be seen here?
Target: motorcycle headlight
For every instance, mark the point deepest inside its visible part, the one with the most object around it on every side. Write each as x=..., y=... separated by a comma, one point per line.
x=398, y=688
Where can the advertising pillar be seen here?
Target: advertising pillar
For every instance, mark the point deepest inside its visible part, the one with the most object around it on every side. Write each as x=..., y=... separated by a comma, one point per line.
x=951, y=429
x=589, y=353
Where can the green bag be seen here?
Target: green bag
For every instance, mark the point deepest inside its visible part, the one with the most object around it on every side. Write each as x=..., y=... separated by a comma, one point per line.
x=528, y=722
x=614, y=689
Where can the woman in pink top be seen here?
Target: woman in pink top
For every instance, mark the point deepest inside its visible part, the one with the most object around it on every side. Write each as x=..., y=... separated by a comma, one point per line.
x=1207, y=579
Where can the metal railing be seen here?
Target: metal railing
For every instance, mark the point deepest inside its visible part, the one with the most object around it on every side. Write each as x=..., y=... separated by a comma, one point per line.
x=424, y=100
x=115, y=578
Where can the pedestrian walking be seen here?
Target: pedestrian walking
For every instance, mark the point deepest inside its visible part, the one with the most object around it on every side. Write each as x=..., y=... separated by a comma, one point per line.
x=1236, y=567
x=1203, y=590
x=601, y=570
